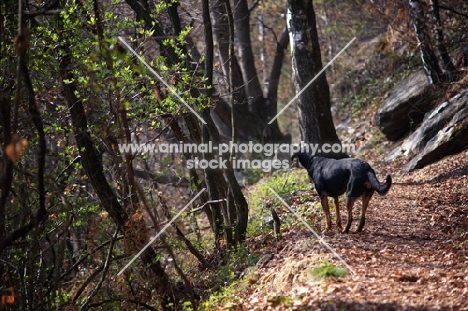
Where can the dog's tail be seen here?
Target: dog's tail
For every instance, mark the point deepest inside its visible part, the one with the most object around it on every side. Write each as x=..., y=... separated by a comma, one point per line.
x=304, y=158
x=380, y=188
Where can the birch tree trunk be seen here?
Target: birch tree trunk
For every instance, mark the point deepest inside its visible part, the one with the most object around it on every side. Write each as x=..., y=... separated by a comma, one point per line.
x=315, y=119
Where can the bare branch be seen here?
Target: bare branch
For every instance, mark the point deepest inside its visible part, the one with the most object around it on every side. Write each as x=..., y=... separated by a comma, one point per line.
x=104, y=273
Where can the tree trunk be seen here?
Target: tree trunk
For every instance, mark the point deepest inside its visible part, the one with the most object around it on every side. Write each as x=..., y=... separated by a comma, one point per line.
x=41, y=214
x=443, y=53
x=244, y=124
x=212, y=211
x=227, y=186
x=236, y=203
x=262, y=52
x=231, y=74
x=275, y=74
x=253, y=89
x=430, y=62
x=315, y=119
x=251, y=112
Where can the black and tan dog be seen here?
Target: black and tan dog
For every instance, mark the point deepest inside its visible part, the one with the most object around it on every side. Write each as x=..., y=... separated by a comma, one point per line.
x=334, y=177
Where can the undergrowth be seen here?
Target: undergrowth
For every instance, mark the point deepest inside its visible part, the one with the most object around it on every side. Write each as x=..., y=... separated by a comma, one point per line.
x=229, y=279
x=284, y=183
x=326, y=270
x=232, y=279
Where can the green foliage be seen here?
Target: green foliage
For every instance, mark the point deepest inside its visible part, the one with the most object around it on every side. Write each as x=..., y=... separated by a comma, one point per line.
x=326, y=270
x=254, y=175
x=296, y=190
x=108, y=82
x=280, y=301
x=225, y=278
x=282, y=182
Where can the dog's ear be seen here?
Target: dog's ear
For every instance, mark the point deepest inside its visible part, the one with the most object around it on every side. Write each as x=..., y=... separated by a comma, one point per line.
x=294, y=161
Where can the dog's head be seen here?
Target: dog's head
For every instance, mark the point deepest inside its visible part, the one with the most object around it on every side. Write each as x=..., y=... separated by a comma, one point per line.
x=303, y=158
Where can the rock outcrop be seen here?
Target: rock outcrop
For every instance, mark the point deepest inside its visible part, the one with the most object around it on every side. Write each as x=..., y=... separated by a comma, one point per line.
x=433, y=122
x=444, y=131
x=450, y=139
x=405, y=106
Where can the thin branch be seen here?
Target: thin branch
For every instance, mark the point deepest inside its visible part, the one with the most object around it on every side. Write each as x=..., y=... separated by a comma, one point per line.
x=254, y=6
x=179, y=233
x=75, y=160
x=80, y=261
x=447, y=8
x=42, y=148
x=47, y=8
x=269, y=28
x=206, y=203
x=86, y=283
x=22, y=46
x=104, y=273
x=166, y=126
x=168, y=249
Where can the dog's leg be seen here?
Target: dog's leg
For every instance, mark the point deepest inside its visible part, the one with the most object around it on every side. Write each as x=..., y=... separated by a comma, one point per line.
x=326, y=209
x=349, y=206
x=365, y=202
x=337, y=213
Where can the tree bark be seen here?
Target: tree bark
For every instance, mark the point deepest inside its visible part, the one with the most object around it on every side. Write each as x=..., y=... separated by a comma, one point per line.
x=275, y=74
x=253, y=89
x=439, y=35
x=212, y=212
x=228, y=187
x=236, y=204
x=430, y=62
x=238, y=117
x=214, y=180
x=315, y=119
x=240, y=80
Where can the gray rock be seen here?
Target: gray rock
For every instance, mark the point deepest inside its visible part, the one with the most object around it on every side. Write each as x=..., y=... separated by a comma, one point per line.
x=434, y=121
x=450, y=139
x=405, y=106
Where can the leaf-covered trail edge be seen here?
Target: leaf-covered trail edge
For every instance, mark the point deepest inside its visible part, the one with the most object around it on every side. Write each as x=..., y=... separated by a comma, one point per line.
x=412, y=254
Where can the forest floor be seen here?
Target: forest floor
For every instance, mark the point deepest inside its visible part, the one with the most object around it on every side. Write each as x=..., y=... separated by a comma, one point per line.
x=411, y=255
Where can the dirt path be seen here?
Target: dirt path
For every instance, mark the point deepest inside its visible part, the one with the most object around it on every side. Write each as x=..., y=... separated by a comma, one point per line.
x=412, y=254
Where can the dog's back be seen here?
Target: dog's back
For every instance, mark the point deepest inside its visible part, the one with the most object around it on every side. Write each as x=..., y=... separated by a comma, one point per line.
x=333, y=175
